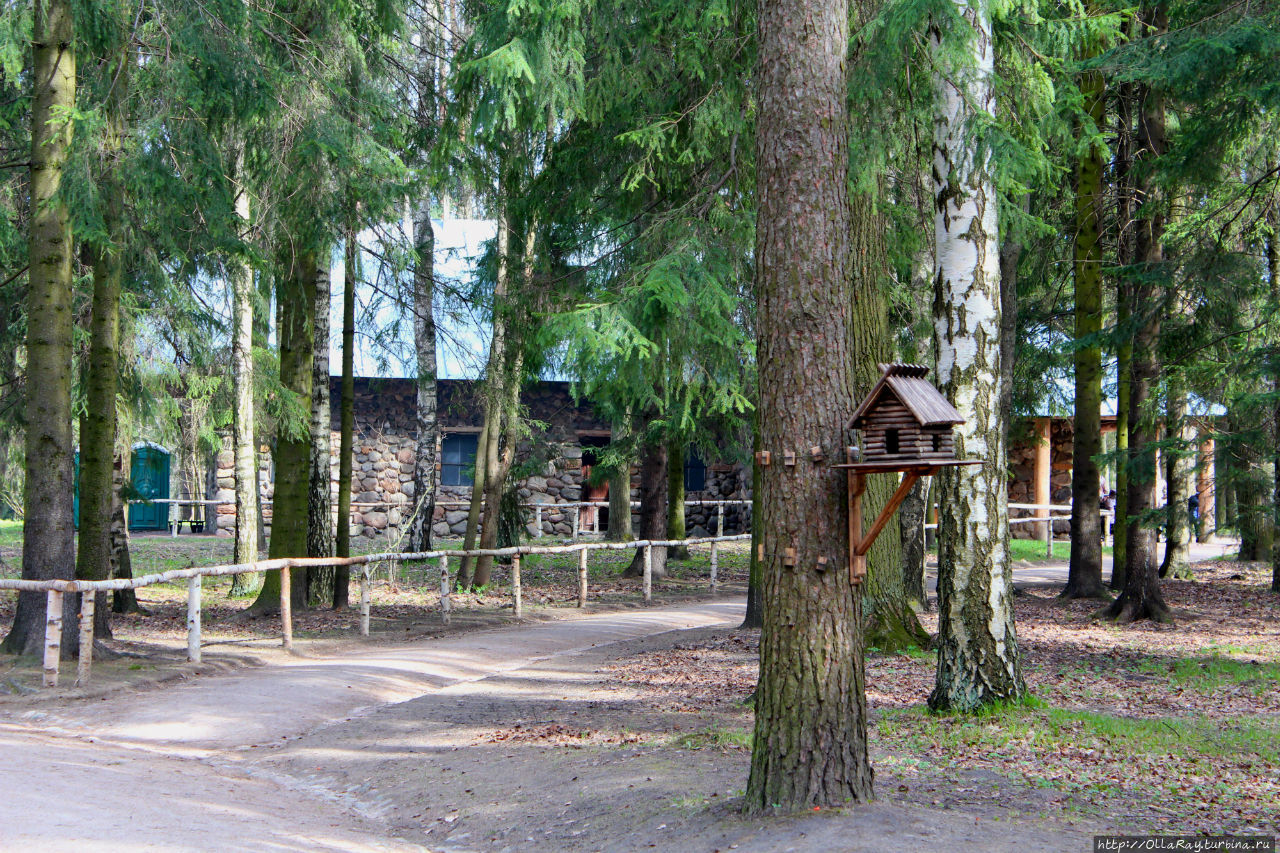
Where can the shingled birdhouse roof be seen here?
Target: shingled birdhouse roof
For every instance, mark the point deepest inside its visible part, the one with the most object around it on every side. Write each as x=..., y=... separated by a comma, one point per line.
x=906, y=382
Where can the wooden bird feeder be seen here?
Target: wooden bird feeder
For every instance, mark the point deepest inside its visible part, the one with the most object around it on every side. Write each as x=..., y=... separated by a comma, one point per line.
x=906, y=426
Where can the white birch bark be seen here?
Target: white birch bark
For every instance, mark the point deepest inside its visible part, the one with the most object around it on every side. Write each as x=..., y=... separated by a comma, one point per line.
x=978, y=660
x=246, y=468
x=424, y=337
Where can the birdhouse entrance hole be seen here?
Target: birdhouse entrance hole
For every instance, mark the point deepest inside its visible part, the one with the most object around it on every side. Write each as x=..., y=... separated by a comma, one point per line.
x=890, y=442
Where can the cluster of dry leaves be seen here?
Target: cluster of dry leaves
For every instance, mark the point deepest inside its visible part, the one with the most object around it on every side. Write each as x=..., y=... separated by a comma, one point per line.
x=1171, y=728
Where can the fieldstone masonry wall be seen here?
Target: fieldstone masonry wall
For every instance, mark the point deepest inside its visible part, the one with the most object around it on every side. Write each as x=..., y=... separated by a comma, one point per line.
x=385, y=449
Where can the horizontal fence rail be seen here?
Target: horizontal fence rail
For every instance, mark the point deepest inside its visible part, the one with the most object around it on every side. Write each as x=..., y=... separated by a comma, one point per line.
x=56, y=589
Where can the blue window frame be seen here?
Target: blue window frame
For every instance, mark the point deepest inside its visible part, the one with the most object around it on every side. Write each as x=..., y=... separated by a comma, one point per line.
x=695, y=472
x=458, y=459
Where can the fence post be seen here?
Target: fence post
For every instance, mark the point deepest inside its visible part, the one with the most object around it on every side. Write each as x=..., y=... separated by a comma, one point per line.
x=577, y=512
x=595, y=520
x=715, y=563
x=719, y=524
x=582, y=578
x=1048, y=537
x=364, y=601
x=445, y=603
x=52, y=637
x=537, y=511
x=648, y=573
x=515, y=587
x=85, y=662
x=286, y=610
x=193, y=619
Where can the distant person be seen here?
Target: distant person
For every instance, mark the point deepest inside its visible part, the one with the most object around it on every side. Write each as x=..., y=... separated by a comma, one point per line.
x=1193, y=511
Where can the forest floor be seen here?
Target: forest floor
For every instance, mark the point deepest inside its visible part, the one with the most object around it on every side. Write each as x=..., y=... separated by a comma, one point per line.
x=625, y=728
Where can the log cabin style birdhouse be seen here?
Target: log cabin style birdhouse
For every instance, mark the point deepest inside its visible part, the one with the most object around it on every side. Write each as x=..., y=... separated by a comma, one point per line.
x=905, y=419
x=906, y=426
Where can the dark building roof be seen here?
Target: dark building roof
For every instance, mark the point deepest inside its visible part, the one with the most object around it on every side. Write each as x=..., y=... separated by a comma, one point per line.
x=906, y=382
x=390, y=405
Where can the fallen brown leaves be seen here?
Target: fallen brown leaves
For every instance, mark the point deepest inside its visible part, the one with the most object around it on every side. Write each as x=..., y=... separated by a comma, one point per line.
x=1172, y=728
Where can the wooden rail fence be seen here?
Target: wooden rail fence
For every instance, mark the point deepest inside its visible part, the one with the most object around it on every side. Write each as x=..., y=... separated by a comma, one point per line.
x=55, y=590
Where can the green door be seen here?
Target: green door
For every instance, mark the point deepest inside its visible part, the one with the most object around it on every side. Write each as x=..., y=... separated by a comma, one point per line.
x=150, y=476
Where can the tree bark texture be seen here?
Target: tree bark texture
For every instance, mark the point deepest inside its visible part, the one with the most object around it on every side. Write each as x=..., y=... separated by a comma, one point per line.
x=295, y=328
x=620, y=491
x=675, y=499
x=810, y=746
x=98, y=422
x=890, y=623
x=244, y=434
x=1179, y=454
x=320, y=479
x=347, y=419
x=1123, y=161
x=978, y=660
x=1141, y=597
x=48, y=535
x=424, y=340
x=754, y=617
x=1084, y=571
x=653, y=510
x=911, y=517
x=1273, y=274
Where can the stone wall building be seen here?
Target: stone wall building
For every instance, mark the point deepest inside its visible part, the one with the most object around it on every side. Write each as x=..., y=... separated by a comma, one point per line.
x=553, y=460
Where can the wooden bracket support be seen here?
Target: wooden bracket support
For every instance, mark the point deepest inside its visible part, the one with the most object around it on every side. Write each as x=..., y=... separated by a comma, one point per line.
x=815, y=453
x=762, y=458
x=789, y=558
x=789, y=458
x=822, y=564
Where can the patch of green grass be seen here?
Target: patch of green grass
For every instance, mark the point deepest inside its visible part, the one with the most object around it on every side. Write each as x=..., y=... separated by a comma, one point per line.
x=718, y=738
x=1210, y=673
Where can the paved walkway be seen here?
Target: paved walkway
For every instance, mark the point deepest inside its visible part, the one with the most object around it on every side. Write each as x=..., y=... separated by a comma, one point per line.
x=162, y=765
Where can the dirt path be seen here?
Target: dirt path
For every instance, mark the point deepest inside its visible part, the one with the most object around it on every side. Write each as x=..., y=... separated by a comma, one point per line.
x=508, y=739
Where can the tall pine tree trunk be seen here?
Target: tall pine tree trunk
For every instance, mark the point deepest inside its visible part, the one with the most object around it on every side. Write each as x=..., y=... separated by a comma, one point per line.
x=1178, y=466
x=48, y=535
x=1124, y=344
x=675, y=499
x=911, y=518
x=754, y=617
x=653, y=508
x=243, y=430
x=320, y=478
x=810, y=746
x=98, y=424
x=347, y=419
x=1273, y=276
x=424, y=339
x=1141, y=597
x=891, y=624
x=296, y=294
x=1084, y=572
x=620, y=491
x=978, y=660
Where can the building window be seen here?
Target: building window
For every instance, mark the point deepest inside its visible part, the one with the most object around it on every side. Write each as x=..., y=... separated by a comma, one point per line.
x=458, y=459
x=937, y=442
x=891, y=441
x=695, y=472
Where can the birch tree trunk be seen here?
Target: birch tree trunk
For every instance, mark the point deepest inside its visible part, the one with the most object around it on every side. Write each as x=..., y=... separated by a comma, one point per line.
x=1141, y=597
x=424, y=339
x=346, y=438
x=1084, y=571
x=244, y=435
x=320, y=478
x=810, y=745
x=48, y=535
x=978, y=660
